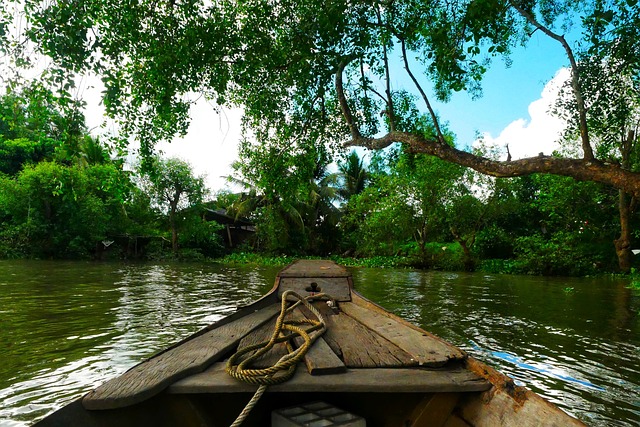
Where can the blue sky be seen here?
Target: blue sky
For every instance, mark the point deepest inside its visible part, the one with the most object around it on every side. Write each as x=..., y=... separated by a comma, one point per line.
x=507, y=92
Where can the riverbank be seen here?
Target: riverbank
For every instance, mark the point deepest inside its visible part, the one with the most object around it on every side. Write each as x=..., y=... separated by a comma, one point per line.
x=450, y=259
x=447, y=257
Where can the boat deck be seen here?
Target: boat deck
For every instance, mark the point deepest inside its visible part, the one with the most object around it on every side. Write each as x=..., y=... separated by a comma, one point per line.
x=368, y=362
x=365, y=349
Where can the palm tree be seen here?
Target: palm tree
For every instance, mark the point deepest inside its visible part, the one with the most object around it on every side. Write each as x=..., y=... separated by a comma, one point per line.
x=353, y=174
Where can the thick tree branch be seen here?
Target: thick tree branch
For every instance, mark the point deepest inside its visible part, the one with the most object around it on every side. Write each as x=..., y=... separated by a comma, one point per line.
x=579, y=169
x=424, y=96
x=575, y=84
x=389, y=100
x=390, y=111
x=342, y=99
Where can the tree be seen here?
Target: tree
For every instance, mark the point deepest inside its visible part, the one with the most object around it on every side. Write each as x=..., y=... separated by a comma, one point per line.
x=31, y=125
x=326, y=67
x=173, y=187
x=613, y=116
x=55, y=211
x=466, y=215
x=406, y=208
x=353, y=176
x=289, y=196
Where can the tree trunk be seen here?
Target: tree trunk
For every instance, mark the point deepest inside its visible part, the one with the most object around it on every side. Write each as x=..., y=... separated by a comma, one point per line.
x=623, y=243
x=469, y=262
x=422, y=248
x=174, y=229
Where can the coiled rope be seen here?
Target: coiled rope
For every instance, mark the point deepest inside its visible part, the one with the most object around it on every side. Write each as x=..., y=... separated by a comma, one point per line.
x=285, y=367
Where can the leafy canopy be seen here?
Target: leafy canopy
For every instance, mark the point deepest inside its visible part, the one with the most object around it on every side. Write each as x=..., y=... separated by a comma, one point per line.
x=309, y=72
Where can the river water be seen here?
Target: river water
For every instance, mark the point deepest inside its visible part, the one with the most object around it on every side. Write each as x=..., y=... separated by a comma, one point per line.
x=66, y=327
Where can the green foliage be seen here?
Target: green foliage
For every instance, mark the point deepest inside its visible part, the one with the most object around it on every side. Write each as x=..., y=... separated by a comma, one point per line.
x=406, y=204
x=281, y=73
x=353, y=176
x=201, y=236
x=442, y=256
x=493, y=243
x=244, y=258
x=499, y=266
x=561, y=254
x=152, y=56
x=15, y=153
x=289, y=196
x=52, y=210
x=374, y=262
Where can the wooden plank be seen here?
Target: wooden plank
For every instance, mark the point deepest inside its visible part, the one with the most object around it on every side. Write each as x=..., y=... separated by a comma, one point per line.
x=356, y=345
x=423, y=347
x=320, y=359
x=314, y=268
x=434, y=410
x=337, y=287
x=382, y=380
x=152, y=376
x=261, y=334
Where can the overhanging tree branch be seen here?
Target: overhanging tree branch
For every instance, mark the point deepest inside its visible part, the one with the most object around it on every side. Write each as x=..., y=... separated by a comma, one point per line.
x=342, y=99
x=424, y=96
x=579, y=169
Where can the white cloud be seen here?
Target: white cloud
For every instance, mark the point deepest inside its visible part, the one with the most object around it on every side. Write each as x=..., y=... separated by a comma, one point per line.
x=210, y=146
x=537, y=134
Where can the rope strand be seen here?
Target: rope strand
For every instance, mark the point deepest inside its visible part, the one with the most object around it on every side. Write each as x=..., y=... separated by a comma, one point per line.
x=285, y=367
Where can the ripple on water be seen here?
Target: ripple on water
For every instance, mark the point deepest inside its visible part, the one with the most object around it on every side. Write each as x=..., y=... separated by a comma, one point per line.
x=90, y=327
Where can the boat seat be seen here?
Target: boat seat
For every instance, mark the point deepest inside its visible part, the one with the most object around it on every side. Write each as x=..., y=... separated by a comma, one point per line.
x=387, y=380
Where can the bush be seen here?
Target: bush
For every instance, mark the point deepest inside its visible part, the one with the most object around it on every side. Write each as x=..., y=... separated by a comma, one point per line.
x=444, y=256
x=202, y=237
x=500, y=266
x=493, y=243
x=562, y=254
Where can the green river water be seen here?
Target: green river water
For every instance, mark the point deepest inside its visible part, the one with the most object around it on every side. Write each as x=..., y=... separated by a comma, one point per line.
x=66, y=327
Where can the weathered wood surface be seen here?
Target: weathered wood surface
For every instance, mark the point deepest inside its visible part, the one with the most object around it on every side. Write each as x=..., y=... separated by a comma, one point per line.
x=423, y=347
x=495, y=408
x=506, y=404
x=258, y=335
x=155, y=374
x=382, y=380
x=314, y=268
x=337, y=287
x=320, y=358
x=358, y=346
x=455, y=421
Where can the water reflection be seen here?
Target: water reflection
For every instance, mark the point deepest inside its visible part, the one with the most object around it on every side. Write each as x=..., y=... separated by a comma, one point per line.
x=69, y=326
x=575, y=341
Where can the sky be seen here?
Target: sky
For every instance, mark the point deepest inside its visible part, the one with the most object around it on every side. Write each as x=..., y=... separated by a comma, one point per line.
x=513, y=110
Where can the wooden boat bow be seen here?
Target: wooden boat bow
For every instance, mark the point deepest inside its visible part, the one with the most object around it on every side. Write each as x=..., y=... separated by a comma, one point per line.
x=366, y=354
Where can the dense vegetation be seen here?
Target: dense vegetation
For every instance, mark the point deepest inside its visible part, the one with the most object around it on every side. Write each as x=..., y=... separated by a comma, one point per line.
x=64, y=194
x=316, y=79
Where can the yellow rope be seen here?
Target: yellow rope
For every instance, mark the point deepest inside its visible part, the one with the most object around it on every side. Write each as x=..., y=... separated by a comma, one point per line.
x=285, y=367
